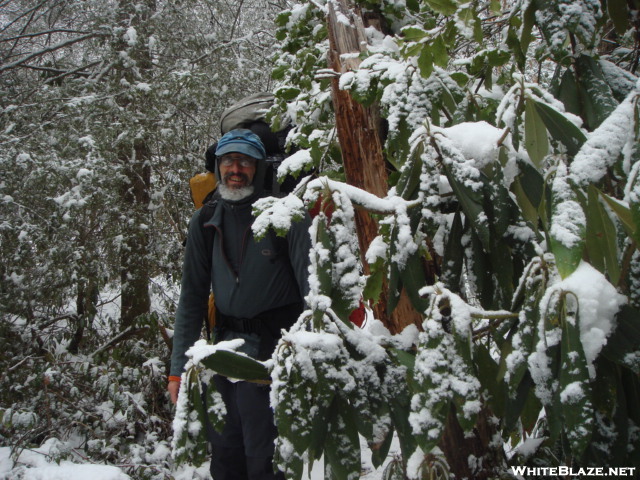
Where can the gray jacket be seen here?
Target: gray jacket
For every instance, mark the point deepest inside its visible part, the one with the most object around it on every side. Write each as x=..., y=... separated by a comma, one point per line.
x=247, y=277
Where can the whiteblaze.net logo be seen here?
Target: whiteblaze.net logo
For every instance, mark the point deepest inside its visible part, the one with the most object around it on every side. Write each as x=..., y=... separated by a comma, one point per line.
x=571, y=471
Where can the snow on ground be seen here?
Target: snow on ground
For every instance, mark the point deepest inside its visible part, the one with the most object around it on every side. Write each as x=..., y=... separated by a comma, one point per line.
x=38, y=464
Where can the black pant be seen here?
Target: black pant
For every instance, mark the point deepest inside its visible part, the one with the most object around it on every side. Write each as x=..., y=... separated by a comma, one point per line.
x=244, y=450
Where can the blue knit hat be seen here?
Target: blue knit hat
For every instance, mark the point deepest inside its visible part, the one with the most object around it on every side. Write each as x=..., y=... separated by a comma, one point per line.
x=241, y=141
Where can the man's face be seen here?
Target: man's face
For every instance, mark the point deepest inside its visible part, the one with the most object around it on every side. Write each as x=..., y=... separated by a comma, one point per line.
x=237, y=170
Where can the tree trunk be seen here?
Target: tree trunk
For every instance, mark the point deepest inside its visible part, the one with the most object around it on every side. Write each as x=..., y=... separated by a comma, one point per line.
x=134, y=262
x=470, y=455
x=86, y=299
x=134, y=155
x=364, y=164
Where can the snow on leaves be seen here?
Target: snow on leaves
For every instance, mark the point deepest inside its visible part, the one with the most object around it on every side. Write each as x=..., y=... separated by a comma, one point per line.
x=560, y=19
x=444, y=369
x=614, y=137
x=568, y=224
x=332, y=383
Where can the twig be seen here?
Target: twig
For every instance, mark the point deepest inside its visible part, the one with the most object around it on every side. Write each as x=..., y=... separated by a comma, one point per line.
x=52, y=48
x=126, y=333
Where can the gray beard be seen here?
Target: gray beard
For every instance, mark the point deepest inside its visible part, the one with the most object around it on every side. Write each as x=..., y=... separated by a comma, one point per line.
x=235, y=194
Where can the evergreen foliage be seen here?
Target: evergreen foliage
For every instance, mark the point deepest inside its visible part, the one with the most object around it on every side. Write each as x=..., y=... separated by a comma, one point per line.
x=106, y=110
x=512, y=135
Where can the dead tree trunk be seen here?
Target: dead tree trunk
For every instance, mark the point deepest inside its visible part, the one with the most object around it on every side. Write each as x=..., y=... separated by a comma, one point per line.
x=364, y=165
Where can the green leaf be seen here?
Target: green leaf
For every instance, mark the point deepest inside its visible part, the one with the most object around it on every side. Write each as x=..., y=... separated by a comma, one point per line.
x=624, y=215
x=535, y=134
x=399, y=409
x=561, y=128
x=513, y=42
x=374, y=282
x=623, y=345
x=413, y=279
x=406, y=359
x=488, y=376
x=529, y=212
x=283, y=18
x=634, y=204
x=472, y=205
x=498, y=204
x=380, y=452
x=596, y=98
x=342, y=447
x=452, y=261
x=214, y=400
x=395, y=283
x=527, y=26
x=440, y=54
x=516, y=403
x=425, y=61
x=409, y=181
x=532, y=183
x=601, y=238
x=525, y=336
x=413, y=34
x=568, y=229
x=234, y=365
x=567, y=258
x=320, y=425
x=568, y=93
x=463, y=348
x=445, y=7
x=324, y=273
x=413, y=5
x=574, y=384
x=288, y=93
x=197, y=437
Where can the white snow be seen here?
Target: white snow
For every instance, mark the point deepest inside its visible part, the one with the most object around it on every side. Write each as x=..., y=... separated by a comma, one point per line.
x=40, y=464
x=606, y=143
x=476, y=140
x=598, y=302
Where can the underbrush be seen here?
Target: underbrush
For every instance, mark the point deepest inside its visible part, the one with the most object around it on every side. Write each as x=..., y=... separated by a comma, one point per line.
x=106, y=404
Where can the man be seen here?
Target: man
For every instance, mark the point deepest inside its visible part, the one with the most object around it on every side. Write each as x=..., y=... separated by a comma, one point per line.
x=259, y=288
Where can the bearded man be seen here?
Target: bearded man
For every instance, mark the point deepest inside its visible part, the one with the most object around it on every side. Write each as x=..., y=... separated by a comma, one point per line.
x=259, y=289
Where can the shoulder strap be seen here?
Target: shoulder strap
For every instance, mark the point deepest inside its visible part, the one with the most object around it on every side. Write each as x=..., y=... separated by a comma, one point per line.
x=206, y=212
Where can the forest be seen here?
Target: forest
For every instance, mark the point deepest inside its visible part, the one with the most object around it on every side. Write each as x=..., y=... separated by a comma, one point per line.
x=475, y=165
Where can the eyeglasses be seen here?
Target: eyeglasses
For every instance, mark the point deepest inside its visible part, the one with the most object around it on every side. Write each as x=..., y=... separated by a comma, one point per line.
x=245, y=162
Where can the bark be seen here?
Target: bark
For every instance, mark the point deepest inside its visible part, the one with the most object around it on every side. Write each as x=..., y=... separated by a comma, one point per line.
x=458, y=447
x=134, y=263
x=358, y=130
x=134, y=155
x=86, y=300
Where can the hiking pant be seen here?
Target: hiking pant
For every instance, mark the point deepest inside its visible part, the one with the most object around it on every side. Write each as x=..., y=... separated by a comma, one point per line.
x=244, y=450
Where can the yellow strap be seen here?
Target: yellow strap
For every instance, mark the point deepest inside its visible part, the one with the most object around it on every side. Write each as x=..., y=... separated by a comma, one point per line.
x=212, y=313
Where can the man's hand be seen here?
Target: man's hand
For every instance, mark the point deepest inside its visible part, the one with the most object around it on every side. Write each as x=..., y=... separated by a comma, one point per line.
x=173, y=388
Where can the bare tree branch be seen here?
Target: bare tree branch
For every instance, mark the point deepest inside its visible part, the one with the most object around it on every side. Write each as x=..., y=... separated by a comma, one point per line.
x=52, y=48
x=39, y=34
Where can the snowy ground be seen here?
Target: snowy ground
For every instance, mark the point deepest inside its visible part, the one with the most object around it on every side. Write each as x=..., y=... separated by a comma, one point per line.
x=38, y=464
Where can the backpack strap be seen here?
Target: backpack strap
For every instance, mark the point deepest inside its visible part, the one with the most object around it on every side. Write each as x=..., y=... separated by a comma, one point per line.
x=206, y=212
